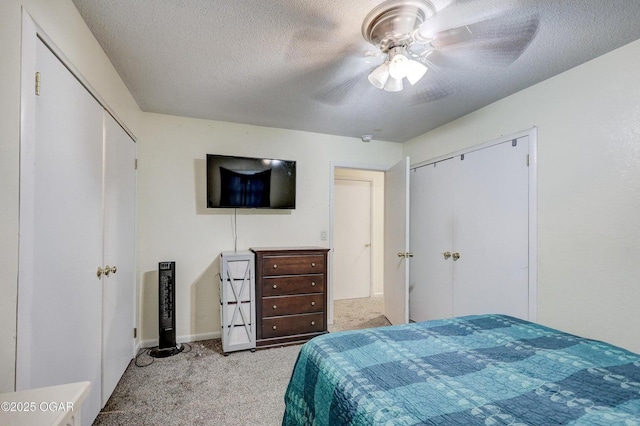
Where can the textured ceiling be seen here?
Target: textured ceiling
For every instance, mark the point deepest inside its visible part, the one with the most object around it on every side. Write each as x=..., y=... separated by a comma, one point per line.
x=302, y=64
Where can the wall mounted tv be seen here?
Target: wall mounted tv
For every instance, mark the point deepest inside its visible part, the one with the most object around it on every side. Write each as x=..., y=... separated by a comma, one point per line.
x=254, y=183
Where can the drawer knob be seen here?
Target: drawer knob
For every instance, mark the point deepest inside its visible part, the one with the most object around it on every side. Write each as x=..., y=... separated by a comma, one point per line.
x=313, y=265
x=275, y=286
x=274, y=327
x=313, y=323
x=313, y=283
x=275, y=306
x=313, y=303
x=275, y=266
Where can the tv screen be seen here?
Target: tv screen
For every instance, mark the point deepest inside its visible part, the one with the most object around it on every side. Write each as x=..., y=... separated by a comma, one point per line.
x=244, y=182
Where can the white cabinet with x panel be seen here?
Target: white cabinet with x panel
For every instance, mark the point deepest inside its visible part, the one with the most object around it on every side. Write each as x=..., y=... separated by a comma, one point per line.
x=237, y=301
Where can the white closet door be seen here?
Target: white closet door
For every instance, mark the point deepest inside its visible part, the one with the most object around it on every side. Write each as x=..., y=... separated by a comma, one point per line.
x=396, y=243
x=430, y=288
x=352, y=244
x=119, y=252
x=61, y=238
x=491, y=231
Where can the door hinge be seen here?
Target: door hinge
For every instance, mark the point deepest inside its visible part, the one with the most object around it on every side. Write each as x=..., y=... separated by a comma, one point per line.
x=135, y=332
x=37, y=83
x=136, y=164
x=527, y=160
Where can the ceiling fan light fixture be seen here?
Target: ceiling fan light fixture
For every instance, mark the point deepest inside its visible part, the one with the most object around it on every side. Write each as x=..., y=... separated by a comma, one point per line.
x=399, y=66
x=393, y=85
x=415, y=71
x=380, y=75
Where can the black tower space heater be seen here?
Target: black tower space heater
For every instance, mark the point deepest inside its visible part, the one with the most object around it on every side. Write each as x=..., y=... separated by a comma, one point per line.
x=166, y=312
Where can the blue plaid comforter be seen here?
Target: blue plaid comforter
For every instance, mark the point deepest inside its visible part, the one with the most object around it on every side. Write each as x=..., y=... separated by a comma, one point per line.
x=475, y=370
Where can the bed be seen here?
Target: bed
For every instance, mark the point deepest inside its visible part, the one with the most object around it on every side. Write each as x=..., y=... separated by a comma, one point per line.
x=473, y=370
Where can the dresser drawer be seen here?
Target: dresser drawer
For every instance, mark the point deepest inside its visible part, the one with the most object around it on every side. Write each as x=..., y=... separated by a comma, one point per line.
x=292, y=265
x=286, y=305
x=299, y=284
x=292, y=324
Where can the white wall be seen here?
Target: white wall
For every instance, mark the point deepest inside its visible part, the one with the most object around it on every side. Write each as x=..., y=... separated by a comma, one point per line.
x=62, y=23
x=175, y=224
x=377, y=221
x=588, y=121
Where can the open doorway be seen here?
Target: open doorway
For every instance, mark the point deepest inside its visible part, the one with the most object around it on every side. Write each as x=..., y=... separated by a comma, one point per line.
x=358, y=249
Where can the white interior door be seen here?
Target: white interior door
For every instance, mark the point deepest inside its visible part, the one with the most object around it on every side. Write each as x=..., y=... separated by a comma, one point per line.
x=119, y=253
x=430, y=288
x=396, y=243
x=352, y=239
x=491, y=216
x=59, y=308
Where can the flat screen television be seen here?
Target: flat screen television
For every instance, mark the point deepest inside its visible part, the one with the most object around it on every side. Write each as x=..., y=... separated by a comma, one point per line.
x=254, y=183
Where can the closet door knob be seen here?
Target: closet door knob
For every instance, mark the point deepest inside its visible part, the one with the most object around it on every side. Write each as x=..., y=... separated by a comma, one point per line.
x=447, y=255
x=100, y=272
x=456, y=256
x=106, y=270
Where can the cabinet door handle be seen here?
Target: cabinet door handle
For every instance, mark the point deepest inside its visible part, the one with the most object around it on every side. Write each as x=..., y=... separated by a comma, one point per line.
x=313, y=303
x=275, y=306
x=447, y=255
x=275, y=286
x=100, y=272
x=456, y=256
x=275, y=266
x=274, y=327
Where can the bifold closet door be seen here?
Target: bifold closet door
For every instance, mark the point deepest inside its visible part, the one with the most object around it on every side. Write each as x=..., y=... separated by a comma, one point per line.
x=491, y=231
x=430, y=288
x=119, y=254
x=59, y=301
x=470, y=224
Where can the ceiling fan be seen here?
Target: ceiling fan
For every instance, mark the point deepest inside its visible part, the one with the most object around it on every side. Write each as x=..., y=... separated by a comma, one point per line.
x=401, y=30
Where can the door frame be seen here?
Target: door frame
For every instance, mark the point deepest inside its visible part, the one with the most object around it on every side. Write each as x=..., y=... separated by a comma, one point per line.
x=333, y=166
x=532, y=133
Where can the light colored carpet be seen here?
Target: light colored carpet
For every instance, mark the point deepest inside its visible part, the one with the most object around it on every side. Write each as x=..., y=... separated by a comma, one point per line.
x=203, y=387
x=355, y=314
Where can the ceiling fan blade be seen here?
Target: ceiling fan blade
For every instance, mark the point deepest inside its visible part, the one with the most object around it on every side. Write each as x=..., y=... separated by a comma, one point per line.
x=451, y=37
x=504, y=37
x=432, y=90
x=336, y=94
x=314, y=46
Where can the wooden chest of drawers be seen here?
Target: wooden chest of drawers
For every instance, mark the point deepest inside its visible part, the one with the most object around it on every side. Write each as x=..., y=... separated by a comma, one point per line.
x=291, y=296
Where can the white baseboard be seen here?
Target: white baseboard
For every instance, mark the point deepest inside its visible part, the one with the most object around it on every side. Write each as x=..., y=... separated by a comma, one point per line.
x=151, y=343
x=380, y=294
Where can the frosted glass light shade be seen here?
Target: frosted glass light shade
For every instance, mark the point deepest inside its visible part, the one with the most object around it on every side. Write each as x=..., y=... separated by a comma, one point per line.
x=399, y=66
x=415, y=71
x=380, y=75
x=393, y=85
